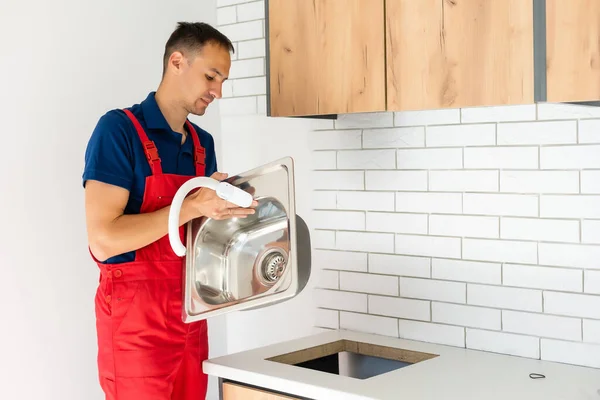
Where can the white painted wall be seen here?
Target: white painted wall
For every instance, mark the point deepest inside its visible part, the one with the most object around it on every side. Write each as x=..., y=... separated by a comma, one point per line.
x=63, y=64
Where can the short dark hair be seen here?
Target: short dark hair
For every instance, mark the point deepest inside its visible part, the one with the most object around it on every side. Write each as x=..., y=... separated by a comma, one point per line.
x=192, y=36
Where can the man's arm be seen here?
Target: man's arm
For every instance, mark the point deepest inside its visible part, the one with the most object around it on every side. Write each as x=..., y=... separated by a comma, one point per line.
x=110, y=232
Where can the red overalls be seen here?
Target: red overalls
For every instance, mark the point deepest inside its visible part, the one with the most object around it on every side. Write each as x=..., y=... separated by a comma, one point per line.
x=145, y=351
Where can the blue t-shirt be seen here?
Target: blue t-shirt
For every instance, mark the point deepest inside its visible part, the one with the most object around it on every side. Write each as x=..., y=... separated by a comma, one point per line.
x=115, y=154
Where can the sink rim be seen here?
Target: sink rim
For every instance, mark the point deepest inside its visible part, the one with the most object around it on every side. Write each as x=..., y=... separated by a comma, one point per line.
x=267, y=297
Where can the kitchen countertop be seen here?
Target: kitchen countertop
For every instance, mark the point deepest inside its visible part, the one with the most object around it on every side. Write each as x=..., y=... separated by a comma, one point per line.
x=457, y=373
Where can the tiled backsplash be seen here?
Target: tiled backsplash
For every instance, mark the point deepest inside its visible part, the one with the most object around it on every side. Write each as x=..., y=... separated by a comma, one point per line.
x=476, y=228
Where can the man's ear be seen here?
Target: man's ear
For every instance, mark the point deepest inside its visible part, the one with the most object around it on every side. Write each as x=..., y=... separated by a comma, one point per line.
x=176, y=61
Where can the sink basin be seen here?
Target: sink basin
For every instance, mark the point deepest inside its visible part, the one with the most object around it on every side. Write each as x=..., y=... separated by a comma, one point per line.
x=253, y=262
x=353, y=359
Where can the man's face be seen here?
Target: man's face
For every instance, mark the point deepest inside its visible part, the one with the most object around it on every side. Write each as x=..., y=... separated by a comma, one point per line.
x=201, y=79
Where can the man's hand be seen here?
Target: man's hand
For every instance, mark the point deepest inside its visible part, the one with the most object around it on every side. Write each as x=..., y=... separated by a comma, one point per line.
x=205, y=202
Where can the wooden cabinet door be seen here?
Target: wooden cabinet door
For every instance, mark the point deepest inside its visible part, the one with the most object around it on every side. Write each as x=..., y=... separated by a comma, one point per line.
x=326, y=56
x=232, y=391
x=459, y=53
x=573, y=50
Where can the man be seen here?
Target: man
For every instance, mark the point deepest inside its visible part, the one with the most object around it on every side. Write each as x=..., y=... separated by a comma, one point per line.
x=135, y=161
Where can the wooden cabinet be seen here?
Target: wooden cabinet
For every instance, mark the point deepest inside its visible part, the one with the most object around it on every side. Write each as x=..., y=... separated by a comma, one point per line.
x=235, y=391
x=326, y=56
x=573, y=50
x=458, y=53
x=346, y=56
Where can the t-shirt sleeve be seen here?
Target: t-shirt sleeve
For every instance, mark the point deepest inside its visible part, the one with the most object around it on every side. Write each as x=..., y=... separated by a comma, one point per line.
x=109, y=154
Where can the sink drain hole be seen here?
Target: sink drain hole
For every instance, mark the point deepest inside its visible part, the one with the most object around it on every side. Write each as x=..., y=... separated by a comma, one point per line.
x=273, y=265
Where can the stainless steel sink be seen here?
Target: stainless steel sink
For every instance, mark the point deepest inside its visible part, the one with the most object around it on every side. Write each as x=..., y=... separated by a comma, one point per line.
x=253, y=262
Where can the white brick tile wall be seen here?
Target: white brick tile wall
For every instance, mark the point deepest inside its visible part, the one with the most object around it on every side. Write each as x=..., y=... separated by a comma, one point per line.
x=327, y=318
x=476, y=227
x=384, y=138
x=504, y=297
x=431, y=246
x=570, y=206
x=429, y=202
x=338, y=300
x=500, y=250
x=349, y=261
x=322, y=239
x=397, y=223
x=575, y=305
x=469, y=316
x=428, y=289
x=433, y=333
x=590, y=182
x=525, y=133
x=396, y=180
x=591, y=282
x=369, y=324
x=249, y=86
x=589, y=131
x=400, y=307
x=223, y=3
x=570, y=157
x=368, y=201
x=323, y=200
x=463, y=225
x=427, y=117
x=366, y=159
x=369, y=283
x=570, y=255
x=243, y=31
x=324, y=160
x=505, y=343
x=466, y=271
x=340, y=180
x=571, y=352
x=461, y=135
x=463, y=181
x=344, y=220
x=335, y=140
x=251, y=11
x=364, y=120
x=328, y=279
x=590, y=231
x=555, y=182
x=226, y=15
x=501, y=157
x=387, y=264
x=244, y=69
x=551, y=230
x=591, y=331
x=368, y=242
x=548, y=326
x=252, y=49
x=430, y=159
x=238, y=106
x=535, y=277
x=501, y=204
x=498, y=113
x=548, y=111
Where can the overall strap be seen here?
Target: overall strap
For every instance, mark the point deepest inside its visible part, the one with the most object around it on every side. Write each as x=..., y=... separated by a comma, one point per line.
x=149, y=147
x=199, y=152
